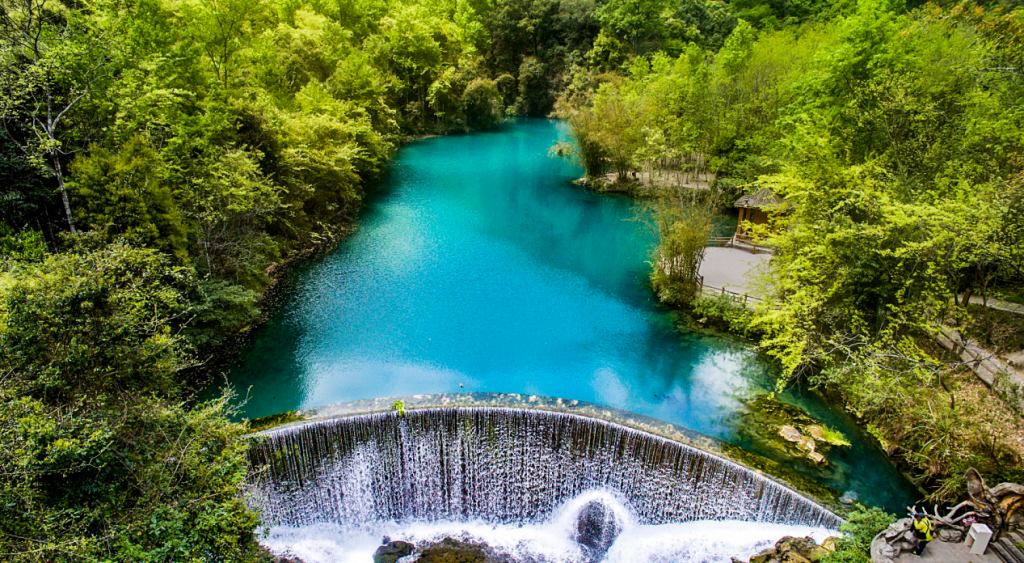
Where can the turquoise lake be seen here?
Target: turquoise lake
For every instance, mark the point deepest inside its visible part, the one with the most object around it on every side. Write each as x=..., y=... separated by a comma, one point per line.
x=478, y=266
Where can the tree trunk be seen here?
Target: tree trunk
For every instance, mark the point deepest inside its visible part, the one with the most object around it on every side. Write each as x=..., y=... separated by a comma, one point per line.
x=63, y=191
x=988, y=316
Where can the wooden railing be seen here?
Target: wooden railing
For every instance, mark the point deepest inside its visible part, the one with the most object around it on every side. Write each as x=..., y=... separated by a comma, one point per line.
x=743, y=298
x=742, y=242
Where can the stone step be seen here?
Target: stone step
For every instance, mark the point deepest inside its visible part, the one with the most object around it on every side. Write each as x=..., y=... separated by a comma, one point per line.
x=1016, y=537
x=1002, y=553
x=1008, y=545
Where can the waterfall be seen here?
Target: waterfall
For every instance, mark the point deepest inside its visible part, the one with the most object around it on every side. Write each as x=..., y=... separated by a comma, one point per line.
x=502, y=466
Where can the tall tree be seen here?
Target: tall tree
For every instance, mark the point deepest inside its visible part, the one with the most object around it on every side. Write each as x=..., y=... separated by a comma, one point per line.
x=52, y=59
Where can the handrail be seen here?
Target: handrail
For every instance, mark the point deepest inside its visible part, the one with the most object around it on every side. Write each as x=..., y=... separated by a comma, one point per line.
x=746, y=243
x=734, y=296
x=745, y=297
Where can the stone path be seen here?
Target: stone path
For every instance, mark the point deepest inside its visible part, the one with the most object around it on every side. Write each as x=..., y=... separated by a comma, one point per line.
x=999, y=304
x=1002, y=378
x=730, y=268
x=942, y=552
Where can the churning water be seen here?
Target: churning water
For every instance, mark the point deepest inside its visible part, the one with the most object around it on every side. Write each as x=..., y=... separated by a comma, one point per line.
x=518, y=479
x=550, y=540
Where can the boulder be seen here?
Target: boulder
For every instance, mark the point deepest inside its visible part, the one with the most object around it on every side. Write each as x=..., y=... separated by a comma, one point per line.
x=797, y=550
x=453, y=551
x=897, y=528
x=596, y=528
x=893, y=541
x=790, y=433
x=799, y=545
x=817, y=554
x=802, y=442
x=816, y=457
x=392, y=551
x=816, y=432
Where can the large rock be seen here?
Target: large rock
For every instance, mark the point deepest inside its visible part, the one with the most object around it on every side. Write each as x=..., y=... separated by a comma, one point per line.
x=767, y=556
x=792, y=550
x=454, y=551
x=897, y=528
x=798, y=550
x=802, y=442
x=890, y=542
x=790, y=433
x=596, y=528
x=392, y=551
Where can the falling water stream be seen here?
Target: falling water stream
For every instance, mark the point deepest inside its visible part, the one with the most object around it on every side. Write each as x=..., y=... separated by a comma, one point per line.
x=517, y=479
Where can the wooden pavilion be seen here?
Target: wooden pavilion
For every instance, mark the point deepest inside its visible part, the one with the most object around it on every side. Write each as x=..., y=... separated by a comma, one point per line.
x=753, y=208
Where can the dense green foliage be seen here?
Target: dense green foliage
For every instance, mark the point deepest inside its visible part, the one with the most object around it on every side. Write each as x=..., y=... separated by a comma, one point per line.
x=860, y=528
x=723, y=312
x=158, y=160
x=895, y=138
x=100, y=460
x=161, y=158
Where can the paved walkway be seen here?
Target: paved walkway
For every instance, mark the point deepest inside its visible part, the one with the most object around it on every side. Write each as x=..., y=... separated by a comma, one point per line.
x=730, y=268
x=942, y=552
x=999, y=304
x=1002, y=378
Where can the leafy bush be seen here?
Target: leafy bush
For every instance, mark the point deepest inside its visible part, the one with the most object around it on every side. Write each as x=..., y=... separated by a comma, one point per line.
x=860, y=528
x=98, y=459
x=724, y=311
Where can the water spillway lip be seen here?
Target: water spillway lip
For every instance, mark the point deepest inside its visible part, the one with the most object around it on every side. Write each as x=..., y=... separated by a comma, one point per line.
x=814, y=492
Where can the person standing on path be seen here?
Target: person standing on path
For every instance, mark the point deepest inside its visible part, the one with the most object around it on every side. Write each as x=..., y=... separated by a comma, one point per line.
x=923, y=531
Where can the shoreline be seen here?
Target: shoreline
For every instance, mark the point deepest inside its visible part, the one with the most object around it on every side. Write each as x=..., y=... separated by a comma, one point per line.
x=203, y=378
x=212, y=375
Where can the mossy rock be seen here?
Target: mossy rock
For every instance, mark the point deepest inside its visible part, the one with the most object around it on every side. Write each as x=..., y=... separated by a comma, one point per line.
x=824, y=434
x=270, y=421
x=392, y=551
x=454, y=551
x=824, y=494
x=788, y=429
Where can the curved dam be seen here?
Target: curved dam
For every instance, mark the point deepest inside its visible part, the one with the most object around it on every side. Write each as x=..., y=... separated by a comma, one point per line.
x=450, y=470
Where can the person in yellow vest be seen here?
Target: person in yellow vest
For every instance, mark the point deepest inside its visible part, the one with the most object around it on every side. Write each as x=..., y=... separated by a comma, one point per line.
x=923, y=532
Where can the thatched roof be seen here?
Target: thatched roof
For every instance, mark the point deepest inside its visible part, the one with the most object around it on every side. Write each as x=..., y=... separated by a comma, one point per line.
x=759, y=200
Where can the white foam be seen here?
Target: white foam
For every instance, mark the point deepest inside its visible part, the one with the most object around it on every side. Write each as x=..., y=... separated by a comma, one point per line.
x=701, y=541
